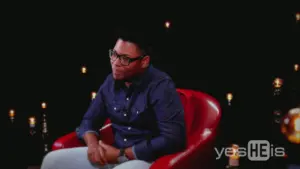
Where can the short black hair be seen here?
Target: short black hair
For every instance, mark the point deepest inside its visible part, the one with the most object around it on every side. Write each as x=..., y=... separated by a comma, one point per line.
x=138, y=33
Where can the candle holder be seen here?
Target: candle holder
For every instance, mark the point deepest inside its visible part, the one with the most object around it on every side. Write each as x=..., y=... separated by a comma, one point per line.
x=277, y=84
x=229, y=98
x=44, y=122
x=11, y=115
x=46, y=148
x=44, y=127
x=277, y=116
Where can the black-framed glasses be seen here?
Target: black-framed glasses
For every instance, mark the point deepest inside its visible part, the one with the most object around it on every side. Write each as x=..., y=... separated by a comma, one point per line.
x=124, y=59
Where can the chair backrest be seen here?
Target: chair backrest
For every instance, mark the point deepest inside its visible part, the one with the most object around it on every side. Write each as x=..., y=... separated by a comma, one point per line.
x=202, y=111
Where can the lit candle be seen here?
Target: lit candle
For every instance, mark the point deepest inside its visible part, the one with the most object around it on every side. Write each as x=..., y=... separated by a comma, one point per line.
x=229, y=97
x=12, y=114
x=298, y=16
x=83, y=69
x=32, y=122
x=278, y=83
x=290, y=125
x=296, y=67
x=234, y=157
x=93, y=94
x=44, y=105
x=167, y=24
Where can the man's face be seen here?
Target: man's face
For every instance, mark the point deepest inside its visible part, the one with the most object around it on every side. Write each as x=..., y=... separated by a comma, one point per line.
x=126, y=50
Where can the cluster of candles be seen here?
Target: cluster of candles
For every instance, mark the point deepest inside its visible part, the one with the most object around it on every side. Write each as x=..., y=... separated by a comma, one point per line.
x=84, y=71
x=290, y=125
x=31, y=120
x=277, y=83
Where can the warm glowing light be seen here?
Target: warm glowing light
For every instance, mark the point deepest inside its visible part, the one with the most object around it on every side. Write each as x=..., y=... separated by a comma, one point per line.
x=44, y=105
x=94, y=95
x=167, y=24
x=290, y=126
x=297, y=124
x=12, y=113
x=298, y=16
x=235, y=152
x=278, y=83
x=234, y=157
x=229, y=96
x=32, y=121
x=296, y=67
x=83, y=69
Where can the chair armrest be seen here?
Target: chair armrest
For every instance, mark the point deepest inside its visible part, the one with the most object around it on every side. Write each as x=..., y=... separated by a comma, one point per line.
x=67, y=141
x=106, y=134
x=198, y=155
x=71, y=140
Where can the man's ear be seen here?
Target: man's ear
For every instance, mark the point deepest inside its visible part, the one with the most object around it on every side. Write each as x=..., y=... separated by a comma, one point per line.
x=145, y=61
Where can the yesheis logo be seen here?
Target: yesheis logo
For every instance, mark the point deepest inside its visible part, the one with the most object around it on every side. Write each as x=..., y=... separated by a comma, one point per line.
x=257, y=150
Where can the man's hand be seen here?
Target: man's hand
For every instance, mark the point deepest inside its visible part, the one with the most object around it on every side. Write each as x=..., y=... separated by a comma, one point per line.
x=111, y=153
x=96, y=154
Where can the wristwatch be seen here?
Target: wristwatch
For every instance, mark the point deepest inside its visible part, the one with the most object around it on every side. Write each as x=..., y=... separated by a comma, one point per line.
x=122, y=157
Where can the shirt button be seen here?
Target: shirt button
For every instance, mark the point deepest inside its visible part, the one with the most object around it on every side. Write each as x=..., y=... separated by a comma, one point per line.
x=137, y=112
x=125, y=139
x=115, y=108
x=129, y=128
x=127, y=98
x=125, y=114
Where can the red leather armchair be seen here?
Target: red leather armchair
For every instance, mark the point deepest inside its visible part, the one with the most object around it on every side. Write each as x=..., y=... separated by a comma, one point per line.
x=202, y=116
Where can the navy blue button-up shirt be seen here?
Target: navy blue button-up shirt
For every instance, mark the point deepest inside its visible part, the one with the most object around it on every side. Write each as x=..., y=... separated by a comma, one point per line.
x=147, y=116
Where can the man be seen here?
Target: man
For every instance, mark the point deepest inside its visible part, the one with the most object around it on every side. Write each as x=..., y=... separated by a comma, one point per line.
x=144, y=108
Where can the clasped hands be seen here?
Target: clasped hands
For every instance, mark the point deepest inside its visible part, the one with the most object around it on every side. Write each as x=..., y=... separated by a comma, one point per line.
x=103, y=153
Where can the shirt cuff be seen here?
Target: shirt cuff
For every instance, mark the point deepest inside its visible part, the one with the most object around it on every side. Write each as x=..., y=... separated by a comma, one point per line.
x=134, y=154
x=91, y=131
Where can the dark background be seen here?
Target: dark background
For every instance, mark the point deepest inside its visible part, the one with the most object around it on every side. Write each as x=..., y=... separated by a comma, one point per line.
x=215, y=49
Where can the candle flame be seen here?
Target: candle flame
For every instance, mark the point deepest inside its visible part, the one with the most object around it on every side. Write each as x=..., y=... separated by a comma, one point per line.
x=167, y=24
x=277, y=83
x=32, y=120
x=229, y=96
x=83, y=69
x=296, y=67
x=44, y=105
x=94, y=95
x=298, y=16
x=12, y=113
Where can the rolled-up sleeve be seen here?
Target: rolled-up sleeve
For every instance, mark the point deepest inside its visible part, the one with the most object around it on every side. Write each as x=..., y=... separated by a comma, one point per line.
x=95, y=116
x=170, y=119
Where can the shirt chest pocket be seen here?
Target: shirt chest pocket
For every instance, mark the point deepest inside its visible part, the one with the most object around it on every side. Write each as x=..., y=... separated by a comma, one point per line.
x=140, y=113
x=115, y=109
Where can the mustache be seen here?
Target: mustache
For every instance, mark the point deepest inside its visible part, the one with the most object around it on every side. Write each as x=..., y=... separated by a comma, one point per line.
x=118, y=69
